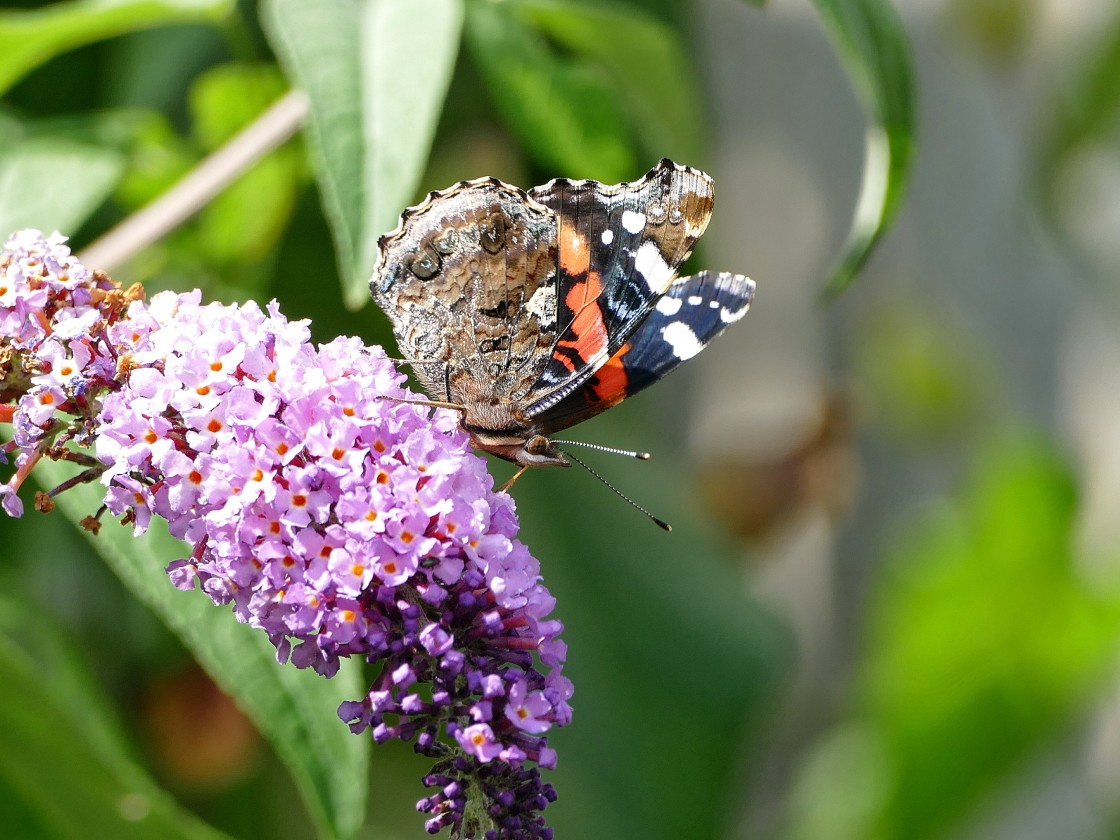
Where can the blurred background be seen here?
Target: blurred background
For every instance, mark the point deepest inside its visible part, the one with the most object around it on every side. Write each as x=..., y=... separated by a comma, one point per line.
x=890, y=607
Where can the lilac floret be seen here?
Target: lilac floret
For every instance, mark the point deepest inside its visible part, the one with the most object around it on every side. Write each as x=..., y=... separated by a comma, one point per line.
x=323, y=508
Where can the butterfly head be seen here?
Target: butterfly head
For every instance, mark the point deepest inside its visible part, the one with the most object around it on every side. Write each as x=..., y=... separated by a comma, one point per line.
x=534, y=451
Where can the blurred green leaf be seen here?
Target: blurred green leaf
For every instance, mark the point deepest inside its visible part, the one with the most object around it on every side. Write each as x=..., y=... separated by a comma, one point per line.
x=871, y=43
x=840, y=790
x=985, y=640
x=1081, y=150
x=30, y=37
x=376, y=72
x=295, y=709
x=157, y=155
x=54, y=184
x=66, y=768
x=675, y=666
x=1092, y=106
x=1000, y=30
x=244, y=222
x=565, y=111
x=646, y=62
x=927, y=380
x=226, y=97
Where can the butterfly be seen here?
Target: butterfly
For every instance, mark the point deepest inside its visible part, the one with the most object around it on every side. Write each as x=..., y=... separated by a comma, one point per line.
x=529, y=312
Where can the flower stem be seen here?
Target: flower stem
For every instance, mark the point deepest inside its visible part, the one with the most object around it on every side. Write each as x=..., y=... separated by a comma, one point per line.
x=199, y=186
x=25, y=469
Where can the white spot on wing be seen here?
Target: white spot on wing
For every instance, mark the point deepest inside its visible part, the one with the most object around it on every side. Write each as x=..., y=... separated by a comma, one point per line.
x=743, y=288
x=729, y=316
x=542, y=305
x=669, y=305
x=682, y=339
x=608, y=236
x=652, y=266
x=695, y=300
x=633, y=222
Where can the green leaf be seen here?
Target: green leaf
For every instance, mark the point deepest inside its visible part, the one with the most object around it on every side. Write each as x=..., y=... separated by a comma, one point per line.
x=986, y=641
x=675, y=666
x=244, y=222
x=565, y=111
x=54, y=184
x=295, y=709
x=1092, y=107
x=871, y=43
x=66, y=768
x=1081, y=140
x=376, y=72
x=646, y=62
x=986, y=637
x=31, y=37
x=925, y=378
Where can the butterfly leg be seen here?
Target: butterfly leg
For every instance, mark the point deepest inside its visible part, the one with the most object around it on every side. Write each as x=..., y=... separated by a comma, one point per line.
x=432, y=403
x=505, y=487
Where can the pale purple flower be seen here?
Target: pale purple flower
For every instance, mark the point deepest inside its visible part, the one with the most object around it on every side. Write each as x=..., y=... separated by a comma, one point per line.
x=327, y=512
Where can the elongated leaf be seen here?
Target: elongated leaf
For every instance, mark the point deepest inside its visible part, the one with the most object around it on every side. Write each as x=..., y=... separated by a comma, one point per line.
x=319, y=46
x=54, y=184
x=376, y=72
x=30, y=37
x=644, y=58
x=871, y=43
x=564, y=111
x=296, y=710
x=409, y=57
x=674, y=665
x=65, y=766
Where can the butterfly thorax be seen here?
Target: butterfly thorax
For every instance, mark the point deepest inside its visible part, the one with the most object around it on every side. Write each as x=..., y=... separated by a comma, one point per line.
x=497, y=427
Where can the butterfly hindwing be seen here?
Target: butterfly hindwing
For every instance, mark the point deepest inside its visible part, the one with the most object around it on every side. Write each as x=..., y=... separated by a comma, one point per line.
x=468, y=281
x=619, y=247
x=694, y=311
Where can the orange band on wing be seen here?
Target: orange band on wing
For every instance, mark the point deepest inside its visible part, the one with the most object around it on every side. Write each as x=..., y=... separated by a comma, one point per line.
x=588, y=331
x=575, y=255
x=608, y=385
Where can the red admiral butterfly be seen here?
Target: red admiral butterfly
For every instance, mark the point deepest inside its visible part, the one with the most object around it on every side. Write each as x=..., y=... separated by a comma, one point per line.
x=530, y=312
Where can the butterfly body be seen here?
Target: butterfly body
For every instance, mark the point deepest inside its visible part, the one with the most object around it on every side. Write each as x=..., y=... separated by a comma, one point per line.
x=533, y=311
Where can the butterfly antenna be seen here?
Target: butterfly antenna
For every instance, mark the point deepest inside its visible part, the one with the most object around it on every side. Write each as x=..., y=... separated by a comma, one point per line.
x=660, y=523
x=641, y=456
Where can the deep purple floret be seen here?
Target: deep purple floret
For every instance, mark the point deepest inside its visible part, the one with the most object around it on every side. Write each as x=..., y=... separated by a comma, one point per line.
x=326, y=511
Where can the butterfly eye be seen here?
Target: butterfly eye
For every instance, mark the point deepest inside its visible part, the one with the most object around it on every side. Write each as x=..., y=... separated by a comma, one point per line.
x=492, y=233
x=426, y=263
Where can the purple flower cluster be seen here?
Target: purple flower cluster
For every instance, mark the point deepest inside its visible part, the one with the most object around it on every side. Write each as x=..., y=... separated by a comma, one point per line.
x=329, y=513
x=52, y=313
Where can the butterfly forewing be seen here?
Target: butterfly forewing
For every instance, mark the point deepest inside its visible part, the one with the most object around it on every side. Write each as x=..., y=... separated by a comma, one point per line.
x=694, y=311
